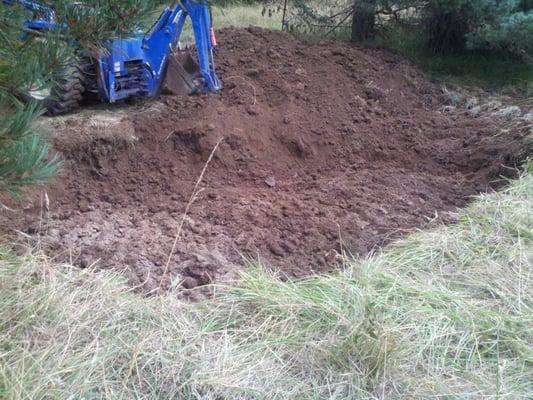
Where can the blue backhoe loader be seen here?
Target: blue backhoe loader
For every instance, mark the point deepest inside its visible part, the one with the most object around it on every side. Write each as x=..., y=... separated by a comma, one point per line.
x=136, y=66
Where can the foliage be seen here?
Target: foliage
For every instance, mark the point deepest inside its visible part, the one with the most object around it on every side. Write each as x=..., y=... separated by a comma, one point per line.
x=450, y=25
x=363, y=20
x=23, y=152
x=357, y=20
x=23, y=64
x=511, y=74
x=488, y=24
x=449, y=21
x=35, y=61
x=510, y=33
x=94, y=21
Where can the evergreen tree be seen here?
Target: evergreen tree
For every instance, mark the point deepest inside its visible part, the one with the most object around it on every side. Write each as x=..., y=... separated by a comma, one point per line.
x=363, y=17
x=363, y=20
x=35, y=62
x=510, y=32
x=24, y=63
x=450, y=23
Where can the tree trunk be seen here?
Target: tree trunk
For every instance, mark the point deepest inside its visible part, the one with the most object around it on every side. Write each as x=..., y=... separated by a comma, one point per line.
x=363, y=20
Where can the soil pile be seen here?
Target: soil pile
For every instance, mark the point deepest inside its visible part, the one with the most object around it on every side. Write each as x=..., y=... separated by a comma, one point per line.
x=326, y=148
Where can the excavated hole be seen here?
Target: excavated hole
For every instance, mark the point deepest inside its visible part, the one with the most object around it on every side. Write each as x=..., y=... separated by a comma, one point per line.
x=326, y=148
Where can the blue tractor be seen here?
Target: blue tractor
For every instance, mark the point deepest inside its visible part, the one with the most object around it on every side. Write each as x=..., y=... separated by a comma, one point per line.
x=132, y=67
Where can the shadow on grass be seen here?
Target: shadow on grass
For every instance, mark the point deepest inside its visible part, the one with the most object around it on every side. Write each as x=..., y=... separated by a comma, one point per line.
x=487, y=70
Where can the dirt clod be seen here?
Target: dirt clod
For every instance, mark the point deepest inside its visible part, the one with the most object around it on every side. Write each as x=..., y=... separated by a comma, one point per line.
x=327, y=148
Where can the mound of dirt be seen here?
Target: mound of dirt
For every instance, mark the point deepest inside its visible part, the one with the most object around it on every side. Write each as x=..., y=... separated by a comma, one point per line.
x=325, y=148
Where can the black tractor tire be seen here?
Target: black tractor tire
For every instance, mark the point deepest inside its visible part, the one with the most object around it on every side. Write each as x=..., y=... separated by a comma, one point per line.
x=67, y=92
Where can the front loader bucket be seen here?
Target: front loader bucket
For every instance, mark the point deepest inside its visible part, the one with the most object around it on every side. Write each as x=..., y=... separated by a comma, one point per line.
x=183, y=74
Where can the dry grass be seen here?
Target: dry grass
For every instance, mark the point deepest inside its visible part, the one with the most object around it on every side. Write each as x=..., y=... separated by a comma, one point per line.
x=237, y=16
x=445, y=313
x=243, y=16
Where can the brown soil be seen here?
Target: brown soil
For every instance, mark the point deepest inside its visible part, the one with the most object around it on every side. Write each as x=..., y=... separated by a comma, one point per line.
x=325, y=148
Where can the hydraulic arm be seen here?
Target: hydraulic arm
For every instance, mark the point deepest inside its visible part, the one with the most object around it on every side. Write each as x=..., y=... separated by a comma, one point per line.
x=133, y=66
x=138, y=65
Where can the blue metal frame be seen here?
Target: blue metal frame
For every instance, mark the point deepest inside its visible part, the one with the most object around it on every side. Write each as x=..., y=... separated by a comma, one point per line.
x=136, y=65
x=44, y=17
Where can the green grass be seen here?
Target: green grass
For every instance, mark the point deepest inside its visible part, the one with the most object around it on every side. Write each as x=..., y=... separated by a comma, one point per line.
x=445, y=313
x=243, y=16
x=237, y=15
x=490, y=71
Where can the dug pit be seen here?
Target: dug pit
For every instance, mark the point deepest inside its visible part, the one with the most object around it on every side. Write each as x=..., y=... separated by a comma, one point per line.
x=324, y=148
